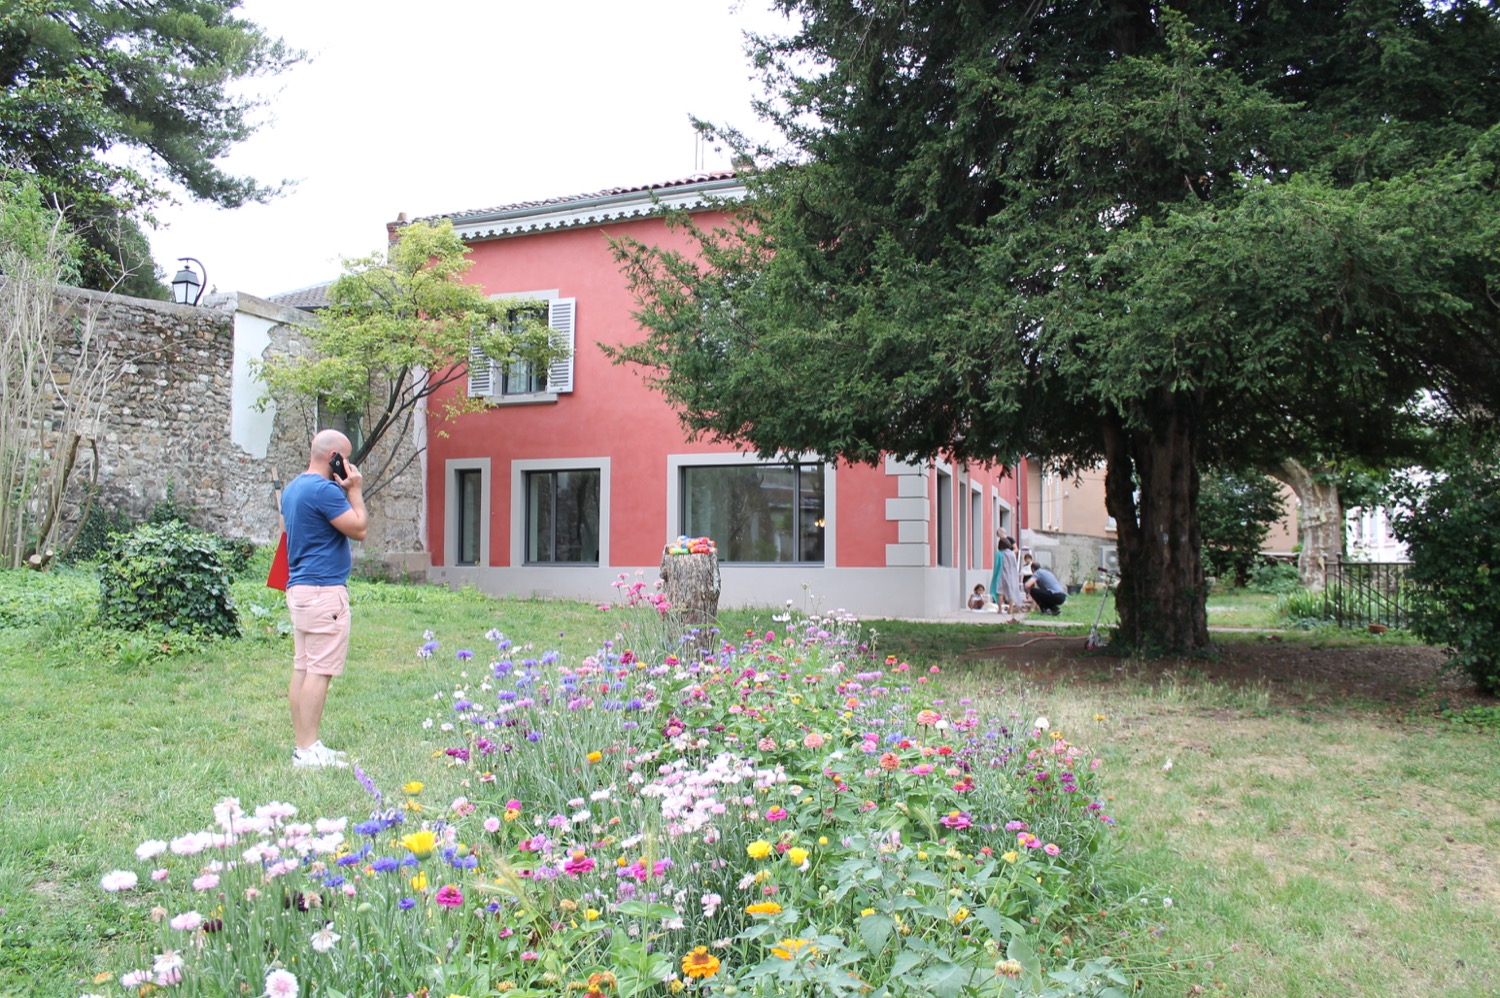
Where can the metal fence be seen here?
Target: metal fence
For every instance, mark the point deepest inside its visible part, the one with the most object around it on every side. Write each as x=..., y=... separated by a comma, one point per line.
x=1361, y=593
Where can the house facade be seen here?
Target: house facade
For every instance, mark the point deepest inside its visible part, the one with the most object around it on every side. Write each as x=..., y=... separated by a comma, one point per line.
x=568, y=478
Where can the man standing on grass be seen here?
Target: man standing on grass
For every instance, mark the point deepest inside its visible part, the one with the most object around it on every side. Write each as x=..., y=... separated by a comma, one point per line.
x=324, y=508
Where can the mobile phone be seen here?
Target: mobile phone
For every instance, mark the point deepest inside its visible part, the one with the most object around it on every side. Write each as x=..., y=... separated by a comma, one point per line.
x=336, y=465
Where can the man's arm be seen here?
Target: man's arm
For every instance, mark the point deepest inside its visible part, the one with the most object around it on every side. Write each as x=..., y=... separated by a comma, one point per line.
x=354, y=522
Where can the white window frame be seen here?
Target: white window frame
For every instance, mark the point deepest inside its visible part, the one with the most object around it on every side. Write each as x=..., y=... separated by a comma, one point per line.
x=485, y=371
x=451, y=496
x=518, y=472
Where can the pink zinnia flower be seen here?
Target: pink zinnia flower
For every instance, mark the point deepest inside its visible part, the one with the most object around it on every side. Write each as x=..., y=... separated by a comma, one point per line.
x=812, y=740
x=492, y=824
x=1051, y=849
x=449, y=896
x=776, y=814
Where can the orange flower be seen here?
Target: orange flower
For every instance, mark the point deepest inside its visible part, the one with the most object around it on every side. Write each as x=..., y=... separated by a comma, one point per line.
x=764, y=908
x=789, y=949
x=700, y=963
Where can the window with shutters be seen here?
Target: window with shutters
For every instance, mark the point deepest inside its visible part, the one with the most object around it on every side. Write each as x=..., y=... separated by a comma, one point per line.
x=518, y=381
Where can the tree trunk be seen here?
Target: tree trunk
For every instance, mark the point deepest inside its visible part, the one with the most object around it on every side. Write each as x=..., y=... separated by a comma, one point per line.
x=690, y=582
x=1151, y=489
x=1320, y=521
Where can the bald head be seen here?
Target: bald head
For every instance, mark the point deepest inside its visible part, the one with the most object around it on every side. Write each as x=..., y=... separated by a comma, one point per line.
x=326, y=444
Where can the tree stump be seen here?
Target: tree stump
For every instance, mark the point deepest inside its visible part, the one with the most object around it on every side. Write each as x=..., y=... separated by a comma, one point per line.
x=690, y=582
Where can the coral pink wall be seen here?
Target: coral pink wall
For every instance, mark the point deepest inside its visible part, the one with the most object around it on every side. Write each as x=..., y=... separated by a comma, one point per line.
x=609, y=412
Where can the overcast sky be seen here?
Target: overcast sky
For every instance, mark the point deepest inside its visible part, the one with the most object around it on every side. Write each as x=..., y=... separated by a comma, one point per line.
x=446, y=105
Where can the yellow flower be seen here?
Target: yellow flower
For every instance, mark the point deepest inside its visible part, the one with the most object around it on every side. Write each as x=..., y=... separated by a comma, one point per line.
x=591, y=915
x=676, y=987
x=594, y=756
x=958, y=916
x=419, y=882
x=822, y=840
x=1010, y=857
x=866, y=912
x=413, y=788
x=1056, y=735
x=421, y=844
x=764, y=908
x=797, y=856
x=921, y=855
x=790, y=949
x=1099, y=717
x=759, y=849
x=700, y=963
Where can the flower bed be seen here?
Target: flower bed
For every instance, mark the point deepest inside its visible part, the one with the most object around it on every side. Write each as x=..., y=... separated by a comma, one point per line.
x=783, y=815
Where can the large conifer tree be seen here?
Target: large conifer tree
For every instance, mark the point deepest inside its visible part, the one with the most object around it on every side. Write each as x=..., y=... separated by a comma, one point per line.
x=102, y=101
x=1102, y=230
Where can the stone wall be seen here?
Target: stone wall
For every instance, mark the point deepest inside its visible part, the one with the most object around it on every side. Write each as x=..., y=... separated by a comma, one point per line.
x=181, y=416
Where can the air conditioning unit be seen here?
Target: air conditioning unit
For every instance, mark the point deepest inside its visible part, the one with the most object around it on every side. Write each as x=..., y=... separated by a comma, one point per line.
x=1109, y=557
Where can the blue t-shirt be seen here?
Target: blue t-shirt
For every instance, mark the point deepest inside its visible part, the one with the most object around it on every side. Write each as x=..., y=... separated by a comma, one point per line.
x=317, y=554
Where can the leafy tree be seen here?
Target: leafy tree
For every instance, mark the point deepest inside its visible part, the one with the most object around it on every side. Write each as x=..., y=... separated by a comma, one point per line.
x=83, y=80
x=1236, y=512
x=1450, y=522
x=1158, y=237
x=399, y=327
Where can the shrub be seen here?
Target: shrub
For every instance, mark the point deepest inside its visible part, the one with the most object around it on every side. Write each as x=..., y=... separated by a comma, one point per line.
x=1235, y=512
x=1451, y=525
x=1303, y=609
x=1276, y=577
x=170, y=575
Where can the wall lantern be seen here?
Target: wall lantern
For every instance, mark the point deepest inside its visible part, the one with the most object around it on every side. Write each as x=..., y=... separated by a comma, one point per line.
x=187, y=286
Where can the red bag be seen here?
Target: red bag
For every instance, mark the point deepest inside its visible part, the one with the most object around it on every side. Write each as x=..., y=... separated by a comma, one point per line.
x=280, y=568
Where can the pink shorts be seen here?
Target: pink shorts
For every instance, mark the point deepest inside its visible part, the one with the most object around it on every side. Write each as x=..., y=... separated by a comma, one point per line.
x=320, y=628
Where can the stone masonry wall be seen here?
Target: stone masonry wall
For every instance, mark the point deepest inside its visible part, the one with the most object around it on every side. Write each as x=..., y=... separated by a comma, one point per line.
x=168, y=422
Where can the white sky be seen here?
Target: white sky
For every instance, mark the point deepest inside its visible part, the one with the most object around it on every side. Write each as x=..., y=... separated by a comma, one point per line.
x=447, y=105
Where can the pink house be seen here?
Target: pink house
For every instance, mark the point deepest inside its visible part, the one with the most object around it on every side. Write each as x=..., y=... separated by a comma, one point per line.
x=568, y=478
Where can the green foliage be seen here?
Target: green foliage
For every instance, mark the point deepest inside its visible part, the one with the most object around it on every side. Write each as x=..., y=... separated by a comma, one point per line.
x=1477, y=717
x=34, y=232
x=80, y=82
x=1450, y=523
x=1276, y=577
x=1303, y=609
x=99, y=524
x=1235, y=513
x=1003, y=229
x=167, y=575
x=399, y=327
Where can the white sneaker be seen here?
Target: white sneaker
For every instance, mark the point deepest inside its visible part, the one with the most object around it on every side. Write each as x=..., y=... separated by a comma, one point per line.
x=333, y=752
x=316, y=756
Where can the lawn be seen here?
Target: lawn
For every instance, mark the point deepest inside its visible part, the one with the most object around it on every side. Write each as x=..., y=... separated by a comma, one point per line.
x=1340, y=850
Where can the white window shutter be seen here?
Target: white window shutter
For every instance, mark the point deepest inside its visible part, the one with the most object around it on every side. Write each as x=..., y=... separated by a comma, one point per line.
x=481, y=373
x=560, y=318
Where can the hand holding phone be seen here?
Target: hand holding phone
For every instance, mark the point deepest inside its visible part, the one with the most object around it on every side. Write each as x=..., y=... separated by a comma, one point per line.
x=336, y=465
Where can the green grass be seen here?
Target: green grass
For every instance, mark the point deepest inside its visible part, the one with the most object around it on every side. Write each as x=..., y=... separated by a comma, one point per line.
x=1336, y=853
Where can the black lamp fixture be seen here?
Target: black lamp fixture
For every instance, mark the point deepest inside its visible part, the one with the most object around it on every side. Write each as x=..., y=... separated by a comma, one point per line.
x=187, y=286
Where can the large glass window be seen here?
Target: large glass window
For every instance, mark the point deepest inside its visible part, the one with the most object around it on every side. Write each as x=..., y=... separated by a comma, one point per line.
x=562, y=517
x=756, y=513
x=467, y=483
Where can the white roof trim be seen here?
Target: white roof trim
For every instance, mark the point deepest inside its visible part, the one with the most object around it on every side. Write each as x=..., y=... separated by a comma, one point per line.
x=596, y=210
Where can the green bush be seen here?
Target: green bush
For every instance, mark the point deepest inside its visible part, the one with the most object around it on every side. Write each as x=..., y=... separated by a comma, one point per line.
x=167, y=574
x=1302, y=609
x=1277, y=577
x=1451, y=526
